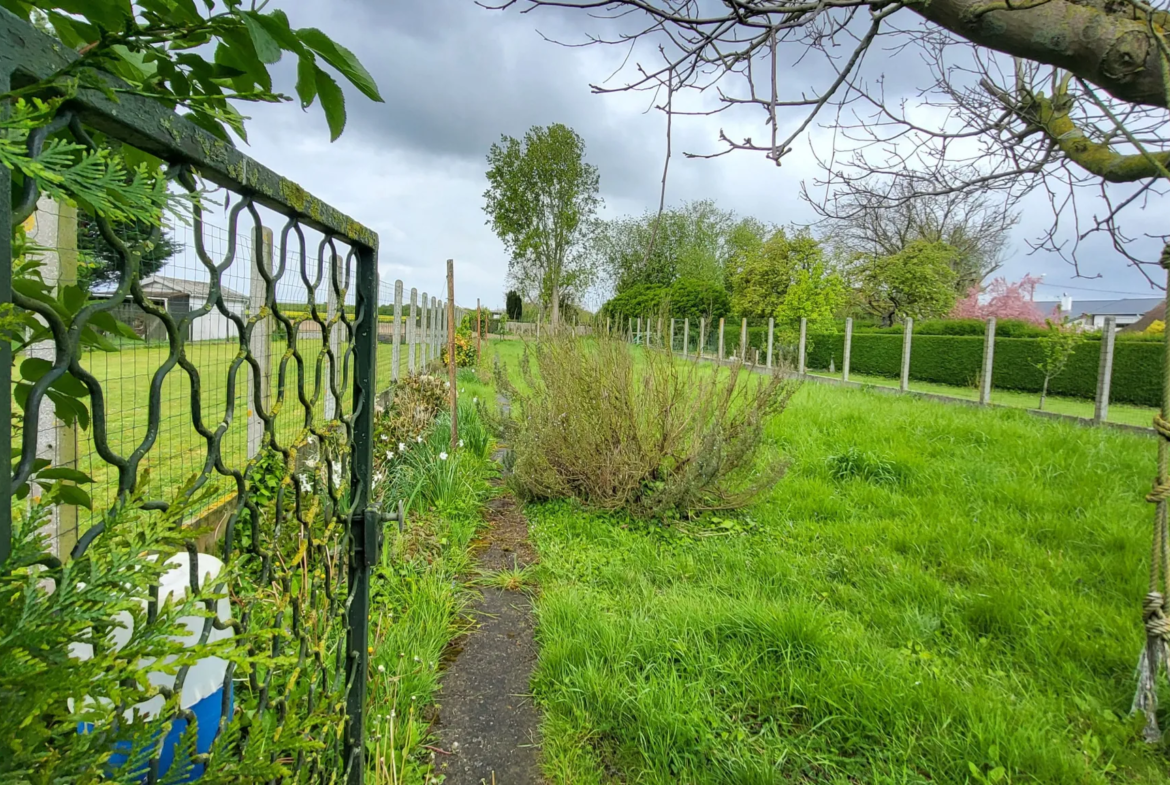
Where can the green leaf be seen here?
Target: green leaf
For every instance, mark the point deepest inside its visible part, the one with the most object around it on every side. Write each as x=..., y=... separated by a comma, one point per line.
x=110, y=14
x=68, y=409
x=73, y=298
x=212, y=126
x=73, y=32
x=18, y=8
x=34, y=368
x=267, y=49
x=342, y=59
x=276, y=23
x=71, y=494
x=64, y=473
x=333, y=102
x=307, y=79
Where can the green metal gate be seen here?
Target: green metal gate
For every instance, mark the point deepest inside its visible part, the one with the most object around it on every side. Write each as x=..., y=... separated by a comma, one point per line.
x=299, y=551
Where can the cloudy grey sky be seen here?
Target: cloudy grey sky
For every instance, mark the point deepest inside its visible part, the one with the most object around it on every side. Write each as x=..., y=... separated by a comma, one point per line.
x=456, y=76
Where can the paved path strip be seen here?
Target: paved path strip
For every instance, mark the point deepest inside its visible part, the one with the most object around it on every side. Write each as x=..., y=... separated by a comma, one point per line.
x=487, y=722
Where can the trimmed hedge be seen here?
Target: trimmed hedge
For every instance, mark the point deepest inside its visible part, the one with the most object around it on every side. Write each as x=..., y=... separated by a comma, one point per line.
x=957, y=360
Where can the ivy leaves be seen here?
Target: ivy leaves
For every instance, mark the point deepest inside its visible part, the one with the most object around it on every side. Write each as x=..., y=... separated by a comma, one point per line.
x=199, y=61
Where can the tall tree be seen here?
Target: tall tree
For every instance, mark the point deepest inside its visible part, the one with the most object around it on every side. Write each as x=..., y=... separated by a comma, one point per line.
x=768, y=271
x=101, y=264
x=918, y=281
x=541, y=194
x=977, y=224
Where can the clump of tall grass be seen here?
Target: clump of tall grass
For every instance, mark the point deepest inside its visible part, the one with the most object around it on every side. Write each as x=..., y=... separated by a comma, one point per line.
x=653, y=436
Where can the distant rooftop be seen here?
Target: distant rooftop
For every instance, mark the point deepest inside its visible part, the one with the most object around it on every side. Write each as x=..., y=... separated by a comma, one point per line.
x=1133, y=306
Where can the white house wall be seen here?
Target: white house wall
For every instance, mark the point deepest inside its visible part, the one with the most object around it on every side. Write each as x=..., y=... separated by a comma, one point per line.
x=215, y=326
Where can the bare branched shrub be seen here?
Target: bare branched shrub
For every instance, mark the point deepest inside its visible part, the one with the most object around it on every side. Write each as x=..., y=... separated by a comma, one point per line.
x=642, y=432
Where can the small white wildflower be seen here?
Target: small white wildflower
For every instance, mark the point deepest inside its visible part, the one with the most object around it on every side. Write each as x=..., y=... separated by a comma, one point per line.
x=418, y=438
x=401, y=447
x=447, y=385
x=305, y=486
x=379, y=477
x=416, y=659
x=442, y=456
x=475, y=399
x=454, y=745
x=389, y=454
x=385, y=438
x=381, y=669
x=460, y=442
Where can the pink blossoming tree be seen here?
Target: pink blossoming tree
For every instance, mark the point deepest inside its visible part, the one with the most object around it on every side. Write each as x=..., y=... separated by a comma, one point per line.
x=1005, y=300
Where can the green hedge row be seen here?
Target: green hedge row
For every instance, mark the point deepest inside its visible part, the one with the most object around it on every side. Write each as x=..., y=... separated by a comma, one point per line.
x=957, y=360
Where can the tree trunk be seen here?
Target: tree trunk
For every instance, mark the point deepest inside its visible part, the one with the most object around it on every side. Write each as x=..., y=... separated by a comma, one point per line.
x=556, y=307
x=1043, y=393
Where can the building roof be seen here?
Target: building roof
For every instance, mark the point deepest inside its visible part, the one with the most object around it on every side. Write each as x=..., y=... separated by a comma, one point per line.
x=162, y=287
x=1155, y=314
x=1128, y=307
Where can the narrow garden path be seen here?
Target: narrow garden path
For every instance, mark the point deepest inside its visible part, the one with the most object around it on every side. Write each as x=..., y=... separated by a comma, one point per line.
x=487, y=722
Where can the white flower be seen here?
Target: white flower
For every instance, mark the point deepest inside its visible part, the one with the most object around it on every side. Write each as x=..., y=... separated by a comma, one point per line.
x=389, y=454
x=385, y=438
x=447, y=385
x=460, y=442
x=442, y=456
x=381, y=669
x=305, y=486
x=401, y=447
x=475, y=399
x=416, y=659
x=379, y=477
x=418, y=439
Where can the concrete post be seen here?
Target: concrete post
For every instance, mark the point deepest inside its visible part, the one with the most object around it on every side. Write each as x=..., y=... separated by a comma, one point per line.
x=54, y=228
x=1105, y=370
x=743, y=347
x=800, y=350
x=440, y=325
x=420, y=336
x=609, y=325
x=411, y=331
x=332, y=367
x=719, y=357
x=907, y=336
x=848, y=349
x=686, y=336
x=702, y=336
x=261, y=345
x=988, y=359
x=395, y=343
x=771, y=332
x=670, y=346
x=659, y=336
x=638, y=335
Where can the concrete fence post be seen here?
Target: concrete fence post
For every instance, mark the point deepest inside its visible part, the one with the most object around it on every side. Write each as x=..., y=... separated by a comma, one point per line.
x=801, y=362
x=410, y=330
x=54, y=228
x=332, y=367
x=988, y=360
x=670, y=346
x=659, y=336
x=702, y=336
x=638, y=334
x=261, y=335
x=743, y=342
x=1105, y=370
x=848, y=352
x=771, y=334
x=686, y=348
x=907, y=336
x=422, y=332
x=719, y=357
x=395, y=336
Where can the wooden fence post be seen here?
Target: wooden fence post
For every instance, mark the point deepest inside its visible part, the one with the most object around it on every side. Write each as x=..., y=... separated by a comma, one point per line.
x=1105, y=370
x=801, y=359
x=451, y=355
x=261, y=333
x=907, y=336
x=771, y=332
x=988, y=360
x=743, y=347
x=848, y=349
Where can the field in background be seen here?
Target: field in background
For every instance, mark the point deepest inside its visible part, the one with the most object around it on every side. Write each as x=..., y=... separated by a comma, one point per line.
x=932, y=593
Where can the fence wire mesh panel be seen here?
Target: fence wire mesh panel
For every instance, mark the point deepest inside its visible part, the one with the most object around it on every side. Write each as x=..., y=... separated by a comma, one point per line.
x=218, y=401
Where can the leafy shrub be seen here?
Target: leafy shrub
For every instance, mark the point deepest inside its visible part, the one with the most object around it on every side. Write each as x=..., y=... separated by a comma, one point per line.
x=417, y=399
x=466, y=355
x=685, y=298
x=662, y=440
x=513, y=305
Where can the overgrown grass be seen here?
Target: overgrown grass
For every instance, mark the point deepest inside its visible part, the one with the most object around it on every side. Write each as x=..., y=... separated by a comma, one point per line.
x=418, y=599
x=932, y=593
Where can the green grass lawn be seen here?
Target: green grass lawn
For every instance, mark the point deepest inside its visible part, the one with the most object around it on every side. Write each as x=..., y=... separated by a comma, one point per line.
x=179, y=452
x=1124, y=413
x=932, y=593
